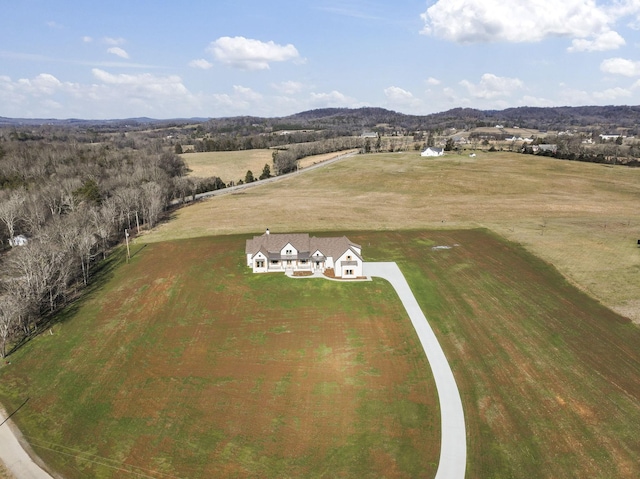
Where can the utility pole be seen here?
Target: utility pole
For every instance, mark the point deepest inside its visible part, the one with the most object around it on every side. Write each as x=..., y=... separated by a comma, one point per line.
x=126, y=238
x=137, y=223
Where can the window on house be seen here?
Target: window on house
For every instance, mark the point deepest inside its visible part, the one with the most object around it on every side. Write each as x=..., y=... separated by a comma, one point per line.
x=288, y=251
x=274, y=261
x=259, y=263
x=349, y=258
x=348, y=272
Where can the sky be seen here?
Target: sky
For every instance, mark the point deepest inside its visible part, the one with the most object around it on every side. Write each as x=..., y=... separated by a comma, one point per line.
x=218, y=58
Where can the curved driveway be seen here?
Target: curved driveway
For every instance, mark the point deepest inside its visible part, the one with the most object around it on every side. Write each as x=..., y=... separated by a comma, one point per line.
x=15, y=457
x=453, y=447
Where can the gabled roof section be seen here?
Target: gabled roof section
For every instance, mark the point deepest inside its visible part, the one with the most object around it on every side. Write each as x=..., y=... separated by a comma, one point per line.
x=273, y=243
x=334, y=247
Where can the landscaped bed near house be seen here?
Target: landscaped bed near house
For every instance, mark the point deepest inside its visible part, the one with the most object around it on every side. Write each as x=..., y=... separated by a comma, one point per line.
x=185, y=364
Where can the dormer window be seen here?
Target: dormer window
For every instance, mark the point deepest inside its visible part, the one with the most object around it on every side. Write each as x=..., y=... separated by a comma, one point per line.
x=288, y=251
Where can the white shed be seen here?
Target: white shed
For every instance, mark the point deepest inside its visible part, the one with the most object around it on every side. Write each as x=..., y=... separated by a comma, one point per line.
x=19, y=240
x=432, y=151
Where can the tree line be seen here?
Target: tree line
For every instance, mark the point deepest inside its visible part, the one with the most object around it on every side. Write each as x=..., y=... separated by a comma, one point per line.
x=285, y=160
x=71, y=202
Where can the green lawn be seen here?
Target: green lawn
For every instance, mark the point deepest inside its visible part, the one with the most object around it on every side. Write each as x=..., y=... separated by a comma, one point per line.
x=184, y=364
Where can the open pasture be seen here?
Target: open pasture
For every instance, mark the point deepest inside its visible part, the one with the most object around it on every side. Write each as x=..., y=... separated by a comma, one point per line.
x=581, y=217
x=228, y=165
x=233, y=165
x=184, y=364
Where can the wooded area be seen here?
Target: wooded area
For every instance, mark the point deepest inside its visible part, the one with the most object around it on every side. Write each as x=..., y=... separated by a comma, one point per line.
x=70, y=188
x=63, y=205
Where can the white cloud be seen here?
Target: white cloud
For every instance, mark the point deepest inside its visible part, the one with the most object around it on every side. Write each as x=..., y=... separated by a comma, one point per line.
x=288, y=87
x=113, y=41
x=249, y=54
x=612, y=94
x=87, y=39
x=492, y=86
x=401, y=99
x=143, y=85
x=246, y=93
x=118, y=52
x=395, y=93
x=607, y=41
x=528, y=100
x=108, y=96
x=433, y=81
x=621, y=66
x=332, y=99
x=470, y=21
x=55, y=25
x=200, y=63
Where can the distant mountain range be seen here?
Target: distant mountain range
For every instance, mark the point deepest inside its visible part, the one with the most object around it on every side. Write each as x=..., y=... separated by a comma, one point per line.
x=602, y=118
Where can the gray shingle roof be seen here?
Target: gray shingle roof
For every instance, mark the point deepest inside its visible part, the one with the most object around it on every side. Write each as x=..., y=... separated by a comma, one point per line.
x=274, y=242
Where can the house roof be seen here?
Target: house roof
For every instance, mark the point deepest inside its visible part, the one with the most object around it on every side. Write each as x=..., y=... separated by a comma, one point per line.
x=271, y=244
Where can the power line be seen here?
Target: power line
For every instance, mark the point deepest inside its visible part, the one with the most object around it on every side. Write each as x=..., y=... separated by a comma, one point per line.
x=85, y=456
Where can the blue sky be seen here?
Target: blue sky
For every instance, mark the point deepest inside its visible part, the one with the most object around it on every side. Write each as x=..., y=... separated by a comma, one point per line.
x=120, y=59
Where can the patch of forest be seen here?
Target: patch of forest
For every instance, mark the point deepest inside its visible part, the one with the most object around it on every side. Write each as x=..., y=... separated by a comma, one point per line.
x=64, y=202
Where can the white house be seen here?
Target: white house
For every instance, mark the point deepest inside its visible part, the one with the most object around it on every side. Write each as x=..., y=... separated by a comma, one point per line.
x=432, y=151
x=293, y=252
x=19, y=240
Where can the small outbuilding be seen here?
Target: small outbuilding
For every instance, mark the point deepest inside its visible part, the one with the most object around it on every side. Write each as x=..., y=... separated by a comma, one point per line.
x=19, y=240
x=432, y=151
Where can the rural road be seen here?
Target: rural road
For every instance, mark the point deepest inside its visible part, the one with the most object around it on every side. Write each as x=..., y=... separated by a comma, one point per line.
x=237, y=188
x=14, y=456
x=453, y=447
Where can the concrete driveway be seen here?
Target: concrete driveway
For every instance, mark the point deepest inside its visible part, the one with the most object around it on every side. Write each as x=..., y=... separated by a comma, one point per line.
x=14, y=456
x=453, y=449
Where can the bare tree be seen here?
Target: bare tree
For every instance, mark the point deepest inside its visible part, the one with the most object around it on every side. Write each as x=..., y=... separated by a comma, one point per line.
x=8, y=321
x=10, y=211
x=152, y=201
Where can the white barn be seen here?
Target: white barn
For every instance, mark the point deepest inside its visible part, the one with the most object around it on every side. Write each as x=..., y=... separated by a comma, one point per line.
x=432, y=151
x=296, y=252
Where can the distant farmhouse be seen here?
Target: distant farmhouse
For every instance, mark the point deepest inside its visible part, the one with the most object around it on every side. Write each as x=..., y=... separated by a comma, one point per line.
x=297, y=252
x=19, y=240
x=545, y=147
x=369, y=134
x=432, y=151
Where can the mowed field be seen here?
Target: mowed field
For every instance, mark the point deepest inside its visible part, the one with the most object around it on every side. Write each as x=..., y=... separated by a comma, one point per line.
x=581, y=217
x=228, y=165
x=185, y=364
x=233, y=165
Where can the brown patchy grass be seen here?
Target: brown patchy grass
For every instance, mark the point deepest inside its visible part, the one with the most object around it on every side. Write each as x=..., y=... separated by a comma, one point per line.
x=188, y=365
x=581, y=217
x=233, y=165
x=4, y=472
x=550, y=379
x=228, y=165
